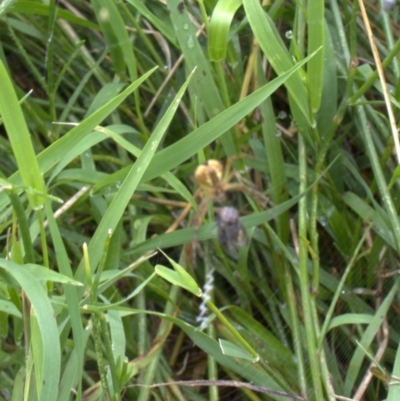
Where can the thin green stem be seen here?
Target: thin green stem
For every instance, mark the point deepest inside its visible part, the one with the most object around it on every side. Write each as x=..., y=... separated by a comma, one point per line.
x=204, y=14
x=50, y=58
x=27, y=58
x=222, y=83
x=294, y=317
x=165, y=327
x=109, y=356
x=24, y=231
x=310, y=326
x=313, y=230
x=339, y=289
x=142, y=35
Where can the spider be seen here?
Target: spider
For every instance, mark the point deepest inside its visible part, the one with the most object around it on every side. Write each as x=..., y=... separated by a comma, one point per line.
x=214, y=181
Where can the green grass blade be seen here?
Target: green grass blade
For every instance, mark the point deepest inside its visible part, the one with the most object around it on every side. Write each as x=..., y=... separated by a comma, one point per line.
x=117, y=38
x=394, y=391
x=203, y=81
x=18, y=134
x=220, y=23
x=5, y=5
x=71, y=295
x=157, y=22
x=273, y=150
x=367, y=338
x=272, y=45
x=47, y=334
x=316, y=40
x=35, y=8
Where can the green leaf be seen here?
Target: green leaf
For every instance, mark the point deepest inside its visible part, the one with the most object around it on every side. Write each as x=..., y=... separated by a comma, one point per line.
x=316, y=40
x=378, y=218
x=233, y=350
x=118, y=42
x=179, y=277
x=18, y=134
x=46, y=335
x=272, y=45
x=350, y=318
x=45, y=274
x=221, y=20
x=395, y=177
x=9, y=308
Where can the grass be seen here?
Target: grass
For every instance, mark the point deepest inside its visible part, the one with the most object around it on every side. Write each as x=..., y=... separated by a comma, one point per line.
x=107, y=108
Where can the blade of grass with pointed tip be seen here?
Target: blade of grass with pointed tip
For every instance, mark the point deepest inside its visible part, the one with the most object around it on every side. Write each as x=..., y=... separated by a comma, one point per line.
x=18, y=134
x=176, y=278
x=350, y=318
x=234, y=351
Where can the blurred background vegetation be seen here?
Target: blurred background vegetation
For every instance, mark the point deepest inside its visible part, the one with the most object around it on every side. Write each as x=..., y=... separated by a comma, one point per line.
x=119, y=279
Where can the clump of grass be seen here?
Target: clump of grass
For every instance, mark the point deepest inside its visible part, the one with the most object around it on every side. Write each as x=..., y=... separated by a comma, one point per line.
x=99, y=299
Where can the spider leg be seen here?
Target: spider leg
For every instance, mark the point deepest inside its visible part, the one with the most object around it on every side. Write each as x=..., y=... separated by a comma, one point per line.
x=228, y=173
x=183, y=215
x=250, y=188
x=259, y=197
x=195, y=246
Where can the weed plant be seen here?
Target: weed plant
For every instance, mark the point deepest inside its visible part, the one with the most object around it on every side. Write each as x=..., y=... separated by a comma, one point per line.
x=107, y=108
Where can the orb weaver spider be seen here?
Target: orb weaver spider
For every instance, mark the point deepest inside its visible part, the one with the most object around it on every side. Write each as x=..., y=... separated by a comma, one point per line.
x=214, y=181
